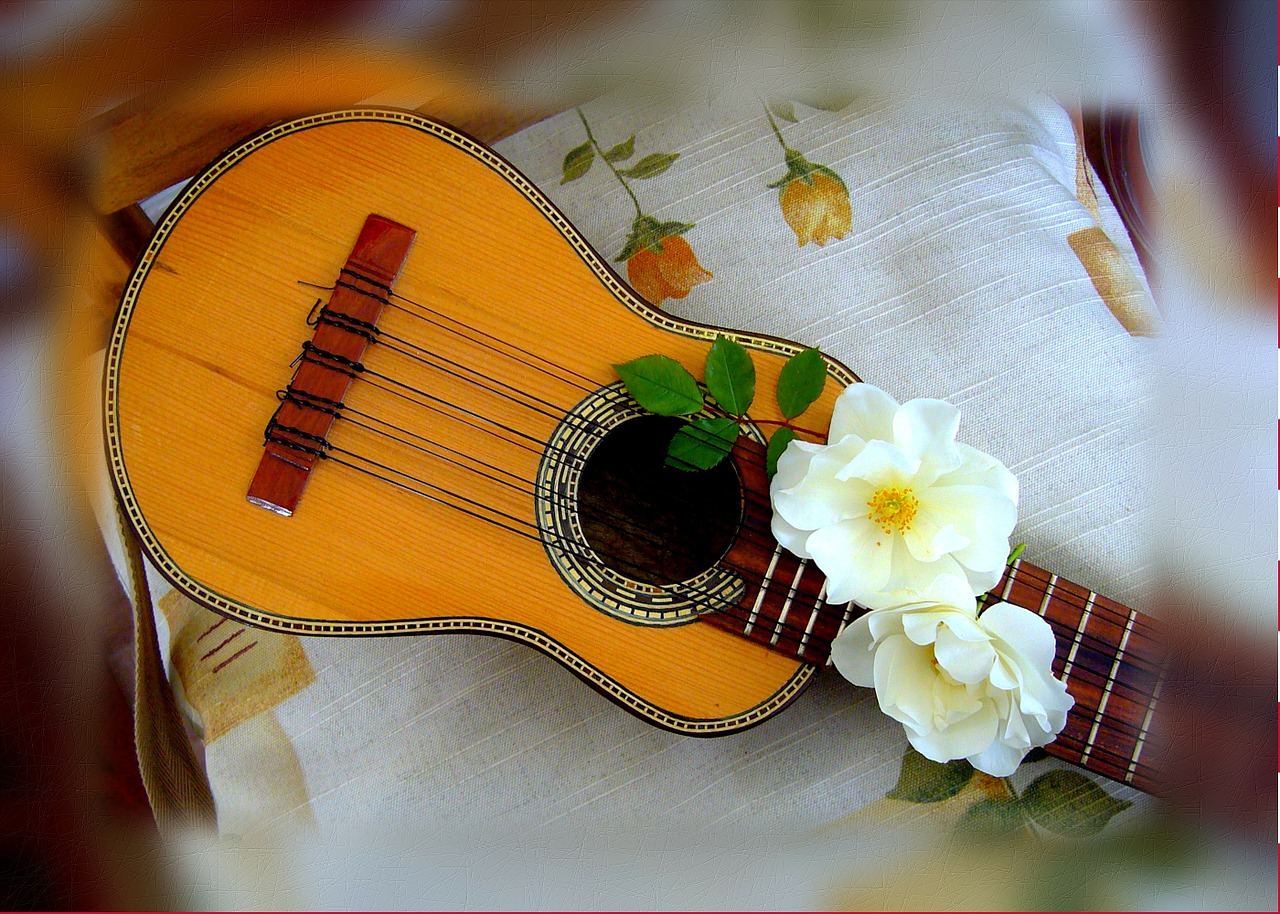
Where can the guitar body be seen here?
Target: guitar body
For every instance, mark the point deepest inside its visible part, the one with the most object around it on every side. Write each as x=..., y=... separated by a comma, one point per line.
x=212, y=323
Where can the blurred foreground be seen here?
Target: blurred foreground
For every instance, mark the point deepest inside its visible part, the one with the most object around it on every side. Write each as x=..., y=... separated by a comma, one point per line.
x=81, y=81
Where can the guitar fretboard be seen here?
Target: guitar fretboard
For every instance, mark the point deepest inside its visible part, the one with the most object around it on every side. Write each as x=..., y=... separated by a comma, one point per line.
x=1111, y=659
x=1109, y=655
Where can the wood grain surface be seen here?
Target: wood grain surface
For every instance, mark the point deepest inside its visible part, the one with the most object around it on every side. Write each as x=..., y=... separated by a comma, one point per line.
x=214, y=316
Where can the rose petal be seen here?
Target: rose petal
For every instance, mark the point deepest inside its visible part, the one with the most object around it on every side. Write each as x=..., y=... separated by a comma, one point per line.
x=819, y=498
x=910, y=580
x=853, y=653
x=925, y=430
x=791, y=538
x=931, y=536
x=864, y=410
x=886, y=622
x=904, y=676
x=1023, y=632
x=966, y=661
x=963, y=738
x=793, y=464
x=854, y=555
x=983, y=516
x=998, y=759
x=881, y=464
x=979, y=469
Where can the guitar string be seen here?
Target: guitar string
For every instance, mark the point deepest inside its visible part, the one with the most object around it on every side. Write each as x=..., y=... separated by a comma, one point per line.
x=309, y=354
x=591, y=386
x=1102, y=757
x=752, y=534
x=759, y=502
x=1025, y=575
x=1080, y=604
x=316, y=356
x=793, y=632
x=1099, y=610
x=333, y=411
x=443, y=316
x=580, y=423
x=618, y=519
x=367, y=331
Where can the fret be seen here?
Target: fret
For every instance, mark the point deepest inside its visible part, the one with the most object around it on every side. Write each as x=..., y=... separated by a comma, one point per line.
x=1079, y=636
x=1008, y=579
x=786, y=605
x=1048, y=594
x=1146, y=726
x=764, y=588
x=813, y=617
x=844, y=623
x=1106, y=692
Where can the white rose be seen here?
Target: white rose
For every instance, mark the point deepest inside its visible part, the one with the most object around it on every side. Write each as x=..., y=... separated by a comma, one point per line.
x=893, y=509
x=980, y=688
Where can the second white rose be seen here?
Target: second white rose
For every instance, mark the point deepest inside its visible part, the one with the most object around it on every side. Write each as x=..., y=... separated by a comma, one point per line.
x=980, y=688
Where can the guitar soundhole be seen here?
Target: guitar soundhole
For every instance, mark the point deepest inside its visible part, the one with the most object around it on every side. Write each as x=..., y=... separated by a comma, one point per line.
x=650, y=522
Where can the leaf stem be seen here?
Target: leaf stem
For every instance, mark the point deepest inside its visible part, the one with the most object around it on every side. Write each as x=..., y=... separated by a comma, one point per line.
x=600, y=152
x=776, y=132
x=790, y=425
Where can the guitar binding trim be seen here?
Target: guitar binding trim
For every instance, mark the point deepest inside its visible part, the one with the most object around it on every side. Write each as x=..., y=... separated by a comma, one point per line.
x=131, y=513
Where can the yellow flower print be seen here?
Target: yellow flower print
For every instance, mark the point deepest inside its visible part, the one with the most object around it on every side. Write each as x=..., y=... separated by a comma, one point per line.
x=661, y=264
x=813, y=198
x=669, y=273
x=816, y=207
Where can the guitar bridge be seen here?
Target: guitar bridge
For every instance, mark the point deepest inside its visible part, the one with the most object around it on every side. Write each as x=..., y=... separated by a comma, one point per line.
x=296, y=437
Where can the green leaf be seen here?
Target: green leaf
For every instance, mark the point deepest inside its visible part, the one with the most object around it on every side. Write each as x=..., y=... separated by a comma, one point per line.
x=992, y=819
x=923, y=781
x=702, y=444
x=777, y=444
x=801, y=382
x=1069, y=803
x=577, y=162
x=731, y=376
x=661, y=385
x=783, y=109
x=622, y=151
x=655, y=163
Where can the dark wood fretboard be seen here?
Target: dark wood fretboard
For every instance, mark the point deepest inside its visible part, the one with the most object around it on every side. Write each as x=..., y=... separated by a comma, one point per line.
x=1109, y=655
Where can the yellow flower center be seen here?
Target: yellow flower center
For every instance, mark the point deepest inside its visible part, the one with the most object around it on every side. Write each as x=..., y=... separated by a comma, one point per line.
x=893, y=508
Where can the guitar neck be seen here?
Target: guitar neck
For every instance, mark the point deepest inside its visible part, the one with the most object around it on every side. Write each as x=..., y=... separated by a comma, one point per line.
x=1109, y=655
x=1111, y=658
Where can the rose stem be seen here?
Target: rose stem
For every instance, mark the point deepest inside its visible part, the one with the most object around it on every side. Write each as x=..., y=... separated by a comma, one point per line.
x=776, y=132
x=794, y=428
x=592, y=138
